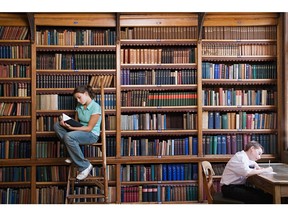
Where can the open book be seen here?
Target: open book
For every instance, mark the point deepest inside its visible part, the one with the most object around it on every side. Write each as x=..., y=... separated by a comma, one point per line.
x=67, y=119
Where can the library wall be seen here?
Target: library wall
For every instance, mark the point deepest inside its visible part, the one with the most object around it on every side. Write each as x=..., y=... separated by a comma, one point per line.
x=179, y=89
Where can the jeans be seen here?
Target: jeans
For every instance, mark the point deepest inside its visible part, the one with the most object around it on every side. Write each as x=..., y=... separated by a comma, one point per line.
x=72, y=139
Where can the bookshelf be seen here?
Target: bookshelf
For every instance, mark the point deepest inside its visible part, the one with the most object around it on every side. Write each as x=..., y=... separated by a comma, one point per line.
x=162, y=89
x=16, y=108
x=78, y=50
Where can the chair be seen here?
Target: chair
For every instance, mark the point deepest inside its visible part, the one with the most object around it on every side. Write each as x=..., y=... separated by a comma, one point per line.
x=213, y=196
x=98, y=184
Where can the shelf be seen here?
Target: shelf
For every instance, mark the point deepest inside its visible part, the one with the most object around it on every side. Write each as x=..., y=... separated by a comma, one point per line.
x=14, y=61
x=240, y=41
x=158, y=87
x=67, y=90
x=159, y=66
x=239, y=82
x=76, y=72
x=11, y=42
x=75, y=48
x=176, y=132
x=241, y=108
x=158, y=42
x=13, y=118
x=239, y=58
x=71, y=112
x=239, y=131
x=159, y=109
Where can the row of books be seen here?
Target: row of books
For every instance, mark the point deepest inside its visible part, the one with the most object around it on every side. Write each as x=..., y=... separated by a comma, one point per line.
x=15, y=109
x=240, y=32
x=158, y=99
x=159, y=193
x=16, y=149
x=235, y=50
x=158, y=33
x=55, y=102
x=159, y=172
x=15, y=174
x=73, y=80
x=15, y=127
x=93, y=151
x=238, y=97
x=158, y=121
x=14, y=33
x=50, y=149
x=74, y=61
x=239, y=71
x=15, y=52
x=22, y=89
x=14, y=71
x=51, y=173
x=239, y=120
x=232, y=143
x=85, y=37
x=157, y=147
x=109, y=81
x=50, y=195
x=158, y=56
x=158, y=77
x=15, y=196
x=61, y=81
x=68, y=102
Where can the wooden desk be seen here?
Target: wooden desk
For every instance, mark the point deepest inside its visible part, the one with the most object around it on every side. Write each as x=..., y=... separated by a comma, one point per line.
x=275, y=184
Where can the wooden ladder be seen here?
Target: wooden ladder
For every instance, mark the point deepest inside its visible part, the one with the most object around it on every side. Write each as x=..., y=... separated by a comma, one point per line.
x=93, y=189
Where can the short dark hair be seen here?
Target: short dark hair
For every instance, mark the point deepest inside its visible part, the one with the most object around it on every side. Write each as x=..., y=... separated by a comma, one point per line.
x=254, y=144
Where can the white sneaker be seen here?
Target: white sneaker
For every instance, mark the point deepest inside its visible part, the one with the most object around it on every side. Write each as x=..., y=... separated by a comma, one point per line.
x=82, y=175
x=67, y=160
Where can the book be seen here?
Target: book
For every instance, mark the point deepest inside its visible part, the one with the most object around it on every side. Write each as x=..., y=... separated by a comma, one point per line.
x=68, y=120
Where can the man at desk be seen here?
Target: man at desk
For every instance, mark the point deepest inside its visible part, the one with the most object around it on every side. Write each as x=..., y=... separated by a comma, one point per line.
x=238, y=169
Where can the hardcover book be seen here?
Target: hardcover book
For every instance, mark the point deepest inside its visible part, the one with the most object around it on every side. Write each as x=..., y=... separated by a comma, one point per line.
x=68, y=120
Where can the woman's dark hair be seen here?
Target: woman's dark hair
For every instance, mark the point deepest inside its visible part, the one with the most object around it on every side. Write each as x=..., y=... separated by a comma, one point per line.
x=84, y=88
x=255, y=144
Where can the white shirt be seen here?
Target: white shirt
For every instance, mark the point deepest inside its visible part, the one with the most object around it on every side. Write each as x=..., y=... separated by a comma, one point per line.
x=237, y=169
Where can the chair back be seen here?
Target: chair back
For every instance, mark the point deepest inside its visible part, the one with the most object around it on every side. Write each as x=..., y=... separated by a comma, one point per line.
x=207, y=174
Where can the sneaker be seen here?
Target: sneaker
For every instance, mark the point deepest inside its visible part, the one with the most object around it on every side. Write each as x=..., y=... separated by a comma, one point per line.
x=82, y=175
x=67, y=160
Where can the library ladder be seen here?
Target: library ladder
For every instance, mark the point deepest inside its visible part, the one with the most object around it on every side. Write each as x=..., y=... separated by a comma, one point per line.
x=93, y=189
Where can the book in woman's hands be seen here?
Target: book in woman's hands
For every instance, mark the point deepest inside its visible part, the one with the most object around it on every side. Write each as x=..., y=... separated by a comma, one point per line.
x=68, y=120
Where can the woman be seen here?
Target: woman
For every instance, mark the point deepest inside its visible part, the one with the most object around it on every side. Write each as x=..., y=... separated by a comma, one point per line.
x=238, y=169
x=88, y=113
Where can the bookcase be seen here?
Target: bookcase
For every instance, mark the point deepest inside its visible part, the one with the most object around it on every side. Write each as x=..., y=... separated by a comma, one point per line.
x=180, y=88
x=78, y=50
x=15, y=108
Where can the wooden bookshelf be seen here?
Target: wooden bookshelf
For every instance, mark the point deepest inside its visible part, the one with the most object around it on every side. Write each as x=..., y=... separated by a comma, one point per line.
x=157, y=57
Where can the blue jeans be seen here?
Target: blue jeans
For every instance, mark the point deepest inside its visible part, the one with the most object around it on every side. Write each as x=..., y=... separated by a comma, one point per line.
x=72, y=139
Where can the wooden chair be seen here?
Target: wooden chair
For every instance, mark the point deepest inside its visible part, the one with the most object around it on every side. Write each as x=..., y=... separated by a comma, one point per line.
x=213, y=196
x=100, y=182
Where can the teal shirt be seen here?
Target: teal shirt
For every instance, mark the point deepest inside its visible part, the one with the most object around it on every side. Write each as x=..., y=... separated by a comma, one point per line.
x=84, y=115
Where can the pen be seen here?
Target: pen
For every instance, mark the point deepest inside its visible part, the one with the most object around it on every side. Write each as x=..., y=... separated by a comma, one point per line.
x=269, y=163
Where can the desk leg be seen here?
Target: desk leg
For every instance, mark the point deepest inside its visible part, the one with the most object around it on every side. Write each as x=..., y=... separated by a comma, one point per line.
x=277, y=196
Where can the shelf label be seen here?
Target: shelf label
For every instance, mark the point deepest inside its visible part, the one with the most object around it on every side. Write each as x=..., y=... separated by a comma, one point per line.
x=76, y=22
x=159, y=156
x=76, y=70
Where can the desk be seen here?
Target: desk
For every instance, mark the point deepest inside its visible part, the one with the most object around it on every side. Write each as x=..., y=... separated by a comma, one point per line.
x=275, y=184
